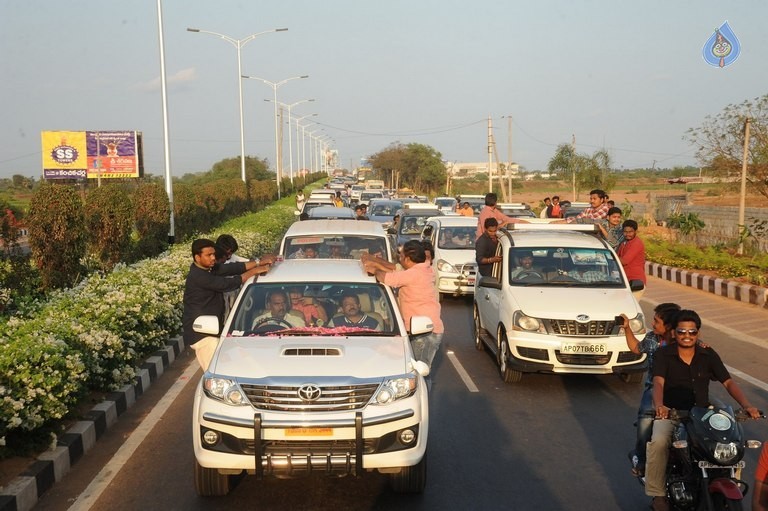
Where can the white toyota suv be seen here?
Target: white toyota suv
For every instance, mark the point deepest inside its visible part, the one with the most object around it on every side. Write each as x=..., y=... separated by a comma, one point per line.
x=550, y=304
x=280, y=400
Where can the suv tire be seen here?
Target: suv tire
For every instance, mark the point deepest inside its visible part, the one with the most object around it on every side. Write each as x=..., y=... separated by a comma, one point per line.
x=410, y=479
x=508, y=374
x=632, y=377
x=479, y=345
x=210, y=483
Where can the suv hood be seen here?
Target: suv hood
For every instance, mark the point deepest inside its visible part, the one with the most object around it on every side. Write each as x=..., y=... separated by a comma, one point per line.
x=260, y=357
x=569, y=302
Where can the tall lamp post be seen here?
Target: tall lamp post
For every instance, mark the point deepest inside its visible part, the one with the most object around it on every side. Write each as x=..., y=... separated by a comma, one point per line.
x=290, y=144
x=298, y=125
x=239, y=43
x=275, y=85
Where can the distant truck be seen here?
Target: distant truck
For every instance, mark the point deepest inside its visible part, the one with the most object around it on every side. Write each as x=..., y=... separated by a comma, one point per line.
x=374, y=184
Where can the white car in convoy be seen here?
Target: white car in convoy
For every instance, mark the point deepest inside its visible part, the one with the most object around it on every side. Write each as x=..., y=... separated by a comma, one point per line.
x=336, y=239
x=279, y=400
x=453, y=238
x=550, y=304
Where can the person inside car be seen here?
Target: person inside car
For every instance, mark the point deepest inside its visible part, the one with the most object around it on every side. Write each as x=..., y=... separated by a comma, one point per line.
x=353, y=316
x=279, y=312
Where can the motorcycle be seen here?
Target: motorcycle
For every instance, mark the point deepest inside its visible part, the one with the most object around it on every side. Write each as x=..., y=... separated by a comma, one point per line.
x=705, y=460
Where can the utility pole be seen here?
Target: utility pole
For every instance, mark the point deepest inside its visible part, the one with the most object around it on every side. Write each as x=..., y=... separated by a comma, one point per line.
x=490, y=155
x=509, y=155
x=743, y=194
x=573, y=167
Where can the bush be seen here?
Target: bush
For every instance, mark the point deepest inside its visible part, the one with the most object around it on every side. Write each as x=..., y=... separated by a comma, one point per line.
x=151, y=219
x=57, y=234
x=109, y=221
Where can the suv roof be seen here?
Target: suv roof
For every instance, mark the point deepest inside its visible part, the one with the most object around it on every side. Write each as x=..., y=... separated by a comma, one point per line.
x=577, y=238
x=332, y=226
x=317, y=270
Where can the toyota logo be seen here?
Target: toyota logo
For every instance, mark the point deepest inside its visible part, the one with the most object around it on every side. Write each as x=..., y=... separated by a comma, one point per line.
x=582, y=318
x=309, y=392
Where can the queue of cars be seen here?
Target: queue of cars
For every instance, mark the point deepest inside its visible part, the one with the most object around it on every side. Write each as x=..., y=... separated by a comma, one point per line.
x=284, y=397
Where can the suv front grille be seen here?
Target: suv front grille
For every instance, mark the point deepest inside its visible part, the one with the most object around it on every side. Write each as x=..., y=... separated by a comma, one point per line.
x=582, y=360
x=285, y=398
x=570, y=327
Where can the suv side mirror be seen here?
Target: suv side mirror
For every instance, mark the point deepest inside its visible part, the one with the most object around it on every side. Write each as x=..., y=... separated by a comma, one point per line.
x=636, y=285
x=421, y=325
x=427, y=232
x=206, y=325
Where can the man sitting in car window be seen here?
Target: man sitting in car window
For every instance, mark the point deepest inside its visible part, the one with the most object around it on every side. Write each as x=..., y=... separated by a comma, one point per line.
x=278, y=312
x=352, y=315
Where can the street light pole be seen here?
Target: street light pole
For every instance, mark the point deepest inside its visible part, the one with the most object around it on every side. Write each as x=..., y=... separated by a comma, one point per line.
x=290, y=143
x=238, y=44
x=275, y=85
x=298, y=121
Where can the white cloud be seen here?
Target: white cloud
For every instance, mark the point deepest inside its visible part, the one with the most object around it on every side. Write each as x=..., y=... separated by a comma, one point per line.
x=183, y=76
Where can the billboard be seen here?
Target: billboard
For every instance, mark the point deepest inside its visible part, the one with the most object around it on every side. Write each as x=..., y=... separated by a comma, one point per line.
x=91, y=154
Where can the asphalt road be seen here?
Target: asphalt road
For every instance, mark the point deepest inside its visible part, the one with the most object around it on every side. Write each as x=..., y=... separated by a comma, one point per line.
x=548, y=442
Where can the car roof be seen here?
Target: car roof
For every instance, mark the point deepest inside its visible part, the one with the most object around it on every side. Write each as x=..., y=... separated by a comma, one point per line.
x=552, y=238
x=330, y=226
x=331, y=212
x=455, y=221
x=317, y=270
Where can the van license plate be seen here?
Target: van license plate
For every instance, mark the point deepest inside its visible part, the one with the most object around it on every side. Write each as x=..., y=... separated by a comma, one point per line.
x=584, y=349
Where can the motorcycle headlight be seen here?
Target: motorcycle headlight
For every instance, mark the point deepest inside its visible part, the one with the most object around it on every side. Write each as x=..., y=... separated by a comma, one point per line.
x=726, y=453
x=445, y=266
x=396, y=388
x=225, y=390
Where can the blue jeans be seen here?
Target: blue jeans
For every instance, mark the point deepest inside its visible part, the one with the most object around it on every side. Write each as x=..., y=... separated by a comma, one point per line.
x=425, y=347
x=645, y=416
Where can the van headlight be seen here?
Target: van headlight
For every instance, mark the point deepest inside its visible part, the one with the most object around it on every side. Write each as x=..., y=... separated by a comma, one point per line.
x=445, y=266
x=396, y=388
x=225, y=390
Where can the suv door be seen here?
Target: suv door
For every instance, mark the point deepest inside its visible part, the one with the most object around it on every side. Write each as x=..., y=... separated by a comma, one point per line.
x=488, y=295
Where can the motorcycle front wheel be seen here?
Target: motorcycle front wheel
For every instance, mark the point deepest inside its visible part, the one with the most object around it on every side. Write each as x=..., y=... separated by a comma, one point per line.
x=722, y=503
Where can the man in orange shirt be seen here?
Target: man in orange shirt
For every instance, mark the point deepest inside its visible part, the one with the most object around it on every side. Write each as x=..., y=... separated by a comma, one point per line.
x=466, y=210
x=490, y=211
x=416, y=295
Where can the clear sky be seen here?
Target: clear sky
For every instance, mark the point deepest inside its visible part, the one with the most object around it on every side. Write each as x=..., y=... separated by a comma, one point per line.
x=625, y=75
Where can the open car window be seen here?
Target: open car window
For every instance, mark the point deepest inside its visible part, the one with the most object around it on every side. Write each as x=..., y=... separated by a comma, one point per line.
x=343, y=309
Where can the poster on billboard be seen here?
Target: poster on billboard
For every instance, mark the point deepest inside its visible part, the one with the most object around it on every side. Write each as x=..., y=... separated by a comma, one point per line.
x=91, y=154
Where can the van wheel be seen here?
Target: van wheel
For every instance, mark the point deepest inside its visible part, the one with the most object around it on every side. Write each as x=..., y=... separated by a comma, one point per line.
x=410, y=479
x=210, y=483
x=508, y=374
x=478, y=337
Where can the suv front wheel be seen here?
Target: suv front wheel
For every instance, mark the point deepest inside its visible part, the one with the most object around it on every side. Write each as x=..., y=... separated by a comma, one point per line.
x=508, y=374
x=410, y=479
x=478, y=337
x=210, y=483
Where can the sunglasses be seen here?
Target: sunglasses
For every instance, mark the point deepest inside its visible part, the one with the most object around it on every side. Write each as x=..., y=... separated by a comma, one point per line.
x=690, y=331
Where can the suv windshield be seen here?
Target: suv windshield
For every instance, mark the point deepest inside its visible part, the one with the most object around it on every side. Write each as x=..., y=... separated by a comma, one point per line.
x=313, y=309
x=410, y=225
x=334, y=246
x=563, y=266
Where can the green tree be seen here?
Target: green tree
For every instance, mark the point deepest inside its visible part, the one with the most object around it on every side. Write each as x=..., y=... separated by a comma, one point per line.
x=719, y=143
x=57, y=234
x=255, y=168
x=419, y=166
x=591, y=171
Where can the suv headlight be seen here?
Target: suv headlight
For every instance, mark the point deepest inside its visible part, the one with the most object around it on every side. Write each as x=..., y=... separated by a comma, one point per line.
x=399, y=387
x=225, y=390
x=527, y=323
x=637, y=324
x=443, y=265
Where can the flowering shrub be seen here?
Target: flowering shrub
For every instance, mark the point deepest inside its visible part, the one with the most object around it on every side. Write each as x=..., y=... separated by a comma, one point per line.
x=93, y=335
